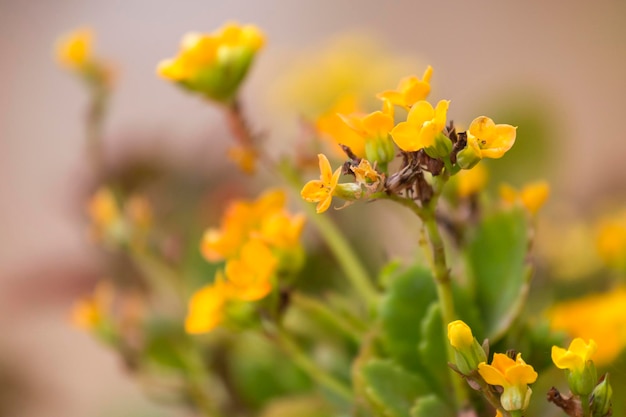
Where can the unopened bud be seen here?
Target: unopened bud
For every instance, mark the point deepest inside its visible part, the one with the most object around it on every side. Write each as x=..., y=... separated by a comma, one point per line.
x=601, y=399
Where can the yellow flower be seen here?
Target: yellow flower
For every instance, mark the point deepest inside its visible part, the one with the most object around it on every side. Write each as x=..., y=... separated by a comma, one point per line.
x=365, y=174
x=532, y=196
x=492, y=140
x=242, y=219
x=330, y=124
x=73, y=50
x=460, y=335
x=513, y=376
x=599, y=317
x=251, y=273
x=207, y=305
x=104, y=212
x=422, y=125
x=576, y=356
x=214, y=64
x=89, y=312
x=245, y=157
x=611, y=240
x=373, y=130
x=410, y=90
x=281, y=230
x=471, y=181
x=321, y=191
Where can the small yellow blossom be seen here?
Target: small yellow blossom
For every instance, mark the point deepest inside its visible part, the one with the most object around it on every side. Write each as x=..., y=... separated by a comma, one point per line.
x=281, y=230
x=611, y=240
x=422, y=125
x=576, y=356
x=251, y=273
x=207, y=305
x=410, y=90
x=460, y=335
x=599, y=317
x=492, y=140
x=104, y=213
x=532, y=196
x=245, y=157
x=330, y=124
x=513, y=376
x=321, y=191
x=73, y=50
x=89, y=312
x=471, y=181
x=214, y=64
x=364, y=173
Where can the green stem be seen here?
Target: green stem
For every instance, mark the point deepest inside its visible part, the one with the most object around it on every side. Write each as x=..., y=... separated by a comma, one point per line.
x=95, y=121
x=585, y=406
x=196, y=382
x=304, y=362
x=336, y=241
x=321, y=311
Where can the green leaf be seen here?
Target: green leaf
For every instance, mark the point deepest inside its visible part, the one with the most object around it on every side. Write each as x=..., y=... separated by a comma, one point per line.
x=496, y=255
x=432, y=348
x=390, y=389
x=431, y=406
x=402, y=308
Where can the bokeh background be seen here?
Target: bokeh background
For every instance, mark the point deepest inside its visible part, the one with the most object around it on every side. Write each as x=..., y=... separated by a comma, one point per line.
x=557, y=67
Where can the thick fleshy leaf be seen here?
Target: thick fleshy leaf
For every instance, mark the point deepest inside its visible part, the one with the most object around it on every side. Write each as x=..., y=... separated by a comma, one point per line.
x=496, y=265
x=431, y=406
x=390, y=389
x=432, y=348
x=402, y=309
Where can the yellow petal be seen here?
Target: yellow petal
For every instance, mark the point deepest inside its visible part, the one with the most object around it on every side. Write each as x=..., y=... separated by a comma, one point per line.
x=492, y=375
x=460, y=335
x=405, y=135
x=313, y=191
x=377, y=124
x=326, y=172
x=582, y=349
x=481, y=127
x=421, y=112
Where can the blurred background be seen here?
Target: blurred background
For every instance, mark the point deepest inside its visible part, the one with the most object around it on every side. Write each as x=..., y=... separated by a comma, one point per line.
x=556, y=69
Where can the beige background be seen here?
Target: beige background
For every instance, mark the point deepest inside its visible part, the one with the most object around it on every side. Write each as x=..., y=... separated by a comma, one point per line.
x=573, y=53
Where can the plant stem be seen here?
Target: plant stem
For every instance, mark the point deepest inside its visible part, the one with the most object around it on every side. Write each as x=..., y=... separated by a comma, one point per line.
x=311, y=368
x=196, y=380
x=314, y=307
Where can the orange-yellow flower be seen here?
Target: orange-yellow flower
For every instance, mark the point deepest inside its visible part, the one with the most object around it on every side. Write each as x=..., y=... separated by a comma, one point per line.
x=576, y=356
x=89, y=312
x=214, y=64
x=251, y=273
x=74, y=49
x=491, y=140
x=471, y=181
x=321, y=191
x=513, y=376
x=207, y=305
x=611, y=240
x=532, y=196
x=422, y=125
x=410, y=90
x=330, y=124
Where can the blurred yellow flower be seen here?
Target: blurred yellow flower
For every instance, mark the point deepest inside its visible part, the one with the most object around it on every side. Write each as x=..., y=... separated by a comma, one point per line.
x=611, y=240
x=576, y=356
x=492, y=140
x=242, y=219
x=251, y=273
x=321, y=191
x=104, y=213
x=214, y=64
x=532, y=196
x=281, y=230
x=331, y=125
x=410, y=90
x=73, y=50
x=207, y=306
x=471, y=181
x=513, y=376
x=422, y=125
x=89, y=312
x=245, y=157
x=599, y=317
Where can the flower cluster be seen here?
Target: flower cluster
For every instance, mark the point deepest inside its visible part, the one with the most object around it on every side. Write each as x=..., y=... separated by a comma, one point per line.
x=214, y=64
x=258, y=241
x=428, y=146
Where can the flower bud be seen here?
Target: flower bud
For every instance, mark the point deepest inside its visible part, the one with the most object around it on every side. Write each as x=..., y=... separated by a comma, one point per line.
x=582, y=382
x=468, y=353
x=470, y=155
x=441, y=148
x=601, y=398
x=581, y=372
x=379, y=150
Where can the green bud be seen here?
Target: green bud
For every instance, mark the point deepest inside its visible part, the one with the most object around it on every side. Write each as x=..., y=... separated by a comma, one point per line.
x=349, y=191
x=468, y=353
x=470, y=155
x=379, y=150
x=582, y=382
x=441, y=148
x=601, y=399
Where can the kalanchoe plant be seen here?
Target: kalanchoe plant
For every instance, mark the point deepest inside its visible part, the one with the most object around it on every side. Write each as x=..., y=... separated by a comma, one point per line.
x=259, y=318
